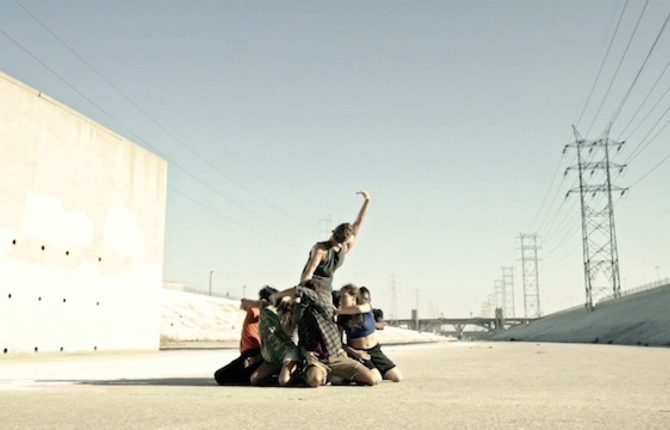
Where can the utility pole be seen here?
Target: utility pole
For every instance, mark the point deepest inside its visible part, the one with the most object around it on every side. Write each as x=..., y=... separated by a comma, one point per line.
x=499, y=295
x=394, y=304
x=210, y=282
x=599, y=246
x=508, y=286
x=529, y=273
x=326, y=225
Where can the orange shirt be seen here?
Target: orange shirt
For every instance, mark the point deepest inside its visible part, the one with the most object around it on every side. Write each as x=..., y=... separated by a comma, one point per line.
x=251, y=337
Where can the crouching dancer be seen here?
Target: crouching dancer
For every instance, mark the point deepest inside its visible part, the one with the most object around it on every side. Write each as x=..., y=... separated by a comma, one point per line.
x=280, y=354
x=355, y=316
x=240, y=370
x=319, y=339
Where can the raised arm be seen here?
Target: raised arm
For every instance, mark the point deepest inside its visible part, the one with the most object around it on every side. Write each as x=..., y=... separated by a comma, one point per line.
x=290, y=292
x=362, y=213
x=246, y=304
x=354, y=310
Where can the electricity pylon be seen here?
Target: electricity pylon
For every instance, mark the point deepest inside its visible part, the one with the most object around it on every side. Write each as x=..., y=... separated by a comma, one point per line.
x=530, y=276
x=599, y=246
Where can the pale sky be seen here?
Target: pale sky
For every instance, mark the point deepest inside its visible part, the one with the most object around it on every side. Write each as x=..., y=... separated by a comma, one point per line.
x=453, y=115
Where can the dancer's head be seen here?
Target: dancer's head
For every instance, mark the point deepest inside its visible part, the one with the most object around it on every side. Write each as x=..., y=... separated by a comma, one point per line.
x=349, y=295
x=364, y=295
x=266, y=292
x=342, y=232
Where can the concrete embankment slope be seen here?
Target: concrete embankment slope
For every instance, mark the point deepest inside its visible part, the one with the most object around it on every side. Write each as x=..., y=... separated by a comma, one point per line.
x=192, y=318
x=638, y=319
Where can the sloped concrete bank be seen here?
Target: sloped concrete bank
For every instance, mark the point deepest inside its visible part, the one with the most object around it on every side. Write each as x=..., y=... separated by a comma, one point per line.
x=638, y=319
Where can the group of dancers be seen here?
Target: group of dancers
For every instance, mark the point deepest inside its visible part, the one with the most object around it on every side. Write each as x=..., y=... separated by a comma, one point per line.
x=309, y=334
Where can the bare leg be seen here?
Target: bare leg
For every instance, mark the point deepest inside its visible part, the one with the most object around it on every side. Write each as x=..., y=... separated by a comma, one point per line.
x=315, y=376
x=261, y=374
x=378, y=376
x=286, y=372
x=393, y=375
x=366, y=376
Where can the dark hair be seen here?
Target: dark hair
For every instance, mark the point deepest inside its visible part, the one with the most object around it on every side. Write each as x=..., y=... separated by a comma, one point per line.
x=285, y=313
x=314, y=284
x=350, y=289
x=363, y=290
x=342, y=232
x=266, y=292
x=336, y=298
x=351, y=321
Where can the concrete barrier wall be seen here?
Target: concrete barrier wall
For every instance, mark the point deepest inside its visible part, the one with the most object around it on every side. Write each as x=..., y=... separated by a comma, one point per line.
x=82, y=219
x=642, y=318
x=189, y=317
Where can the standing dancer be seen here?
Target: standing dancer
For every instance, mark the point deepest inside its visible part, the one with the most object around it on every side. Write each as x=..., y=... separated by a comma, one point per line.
x=326, y=257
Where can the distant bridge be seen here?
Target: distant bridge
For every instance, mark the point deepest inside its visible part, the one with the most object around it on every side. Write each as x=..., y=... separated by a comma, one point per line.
x=436, y=325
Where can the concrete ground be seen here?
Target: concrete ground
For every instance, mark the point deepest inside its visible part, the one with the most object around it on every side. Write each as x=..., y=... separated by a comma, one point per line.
x=447, y=385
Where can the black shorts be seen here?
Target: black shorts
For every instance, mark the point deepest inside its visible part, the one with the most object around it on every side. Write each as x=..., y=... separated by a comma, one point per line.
x=378, y=360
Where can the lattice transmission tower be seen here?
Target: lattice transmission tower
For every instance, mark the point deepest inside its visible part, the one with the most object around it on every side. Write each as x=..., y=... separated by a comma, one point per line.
x=499, y=296
x=530, y=275
x=599, y=246
x=508, y=286
x=394, y=303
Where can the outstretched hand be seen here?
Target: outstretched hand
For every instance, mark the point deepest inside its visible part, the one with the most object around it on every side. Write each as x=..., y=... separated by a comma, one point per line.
x=365, y=194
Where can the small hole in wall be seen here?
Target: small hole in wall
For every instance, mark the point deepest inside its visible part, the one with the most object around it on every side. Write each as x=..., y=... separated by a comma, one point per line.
x=61, y=349
x=99, y=259
x=39, y=299
x=4, y=351
x=9, y=296
x=67, y=252
x=42, y=247
x=14, y=242
x=35, y=349
x=95, y=348
x=97, y=303
x=63, y=300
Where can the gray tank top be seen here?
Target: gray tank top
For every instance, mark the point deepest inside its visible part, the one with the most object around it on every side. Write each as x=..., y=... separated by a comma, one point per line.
x=326, y=268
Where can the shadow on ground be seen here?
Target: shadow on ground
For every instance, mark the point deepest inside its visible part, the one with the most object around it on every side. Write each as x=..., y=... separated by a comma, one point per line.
x=176, y=382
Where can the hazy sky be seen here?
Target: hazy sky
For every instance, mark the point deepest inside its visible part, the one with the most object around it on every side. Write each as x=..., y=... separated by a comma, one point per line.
x=452, y=114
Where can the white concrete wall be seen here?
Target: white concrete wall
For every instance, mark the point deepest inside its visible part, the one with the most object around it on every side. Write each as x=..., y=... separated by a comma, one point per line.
x=642, y=318
x=82, y=219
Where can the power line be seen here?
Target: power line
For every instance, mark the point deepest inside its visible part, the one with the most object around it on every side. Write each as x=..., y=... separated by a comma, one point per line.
x=651, y=90
x=207, y=208
x=602, y=63
x=616, y=72
x=153, y=119
x=586, y=103
x=639, y=72
x=641, y=146
x=109, y=115
x=648, y=113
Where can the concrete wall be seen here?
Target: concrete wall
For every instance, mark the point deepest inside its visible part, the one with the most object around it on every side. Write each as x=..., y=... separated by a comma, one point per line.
x=82, y=218
x=642, y=318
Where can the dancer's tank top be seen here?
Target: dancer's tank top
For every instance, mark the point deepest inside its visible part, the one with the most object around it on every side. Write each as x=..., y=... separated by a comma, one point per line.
x=326, y=268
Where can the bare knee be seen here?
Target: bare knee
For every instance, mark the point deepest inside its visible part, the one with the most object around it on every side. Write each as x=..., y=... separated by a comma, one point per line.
x=286, y=372
x=314, y=377
x=393, y=375
x=367, y=377
x=255, y=379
